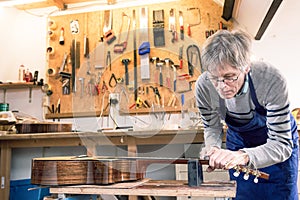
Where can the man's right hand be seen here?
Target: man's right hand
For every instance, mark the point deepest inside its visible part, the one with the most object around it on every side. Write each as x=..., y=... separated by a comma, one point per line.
x=225, y=159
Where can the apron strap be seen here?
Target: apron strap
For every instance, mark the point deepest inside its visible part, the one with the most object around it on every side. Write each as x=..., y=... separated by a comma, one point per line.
x=260, y=109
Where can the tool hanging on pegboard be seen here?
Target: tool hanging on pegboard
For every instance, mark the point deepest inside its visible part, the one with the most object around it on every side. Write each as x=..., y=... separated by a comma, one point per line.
x=62, y=66
x=158, y=28
x=86, y=49
x=75, y=52
x=126, y=62
x=194, y=19
x=181, y=25
x=121, y=46
x=135, y=77
x=144, y=48
x=180, y=57
x=193, y=56
x=172, y=25
x=109, y=35
x=62, y=37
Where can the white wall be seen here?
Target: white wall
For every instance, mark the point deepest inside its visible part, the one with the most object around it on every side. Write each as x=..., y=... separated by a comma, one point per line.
x=23, y=41
x=280, y=45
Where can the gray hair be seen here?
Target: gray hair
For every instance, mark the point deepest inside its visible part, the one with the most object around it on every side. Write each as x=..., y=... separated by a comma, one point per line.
x=225, y=47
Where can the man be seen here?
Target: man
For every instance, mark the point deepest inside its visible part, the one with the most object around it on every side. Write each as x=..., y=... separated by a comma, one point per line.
x=252, y=99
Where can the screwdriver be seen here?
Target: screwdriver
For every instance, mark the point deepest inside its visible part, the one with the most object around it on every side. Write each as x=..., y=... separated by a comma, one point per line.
x=182, y=104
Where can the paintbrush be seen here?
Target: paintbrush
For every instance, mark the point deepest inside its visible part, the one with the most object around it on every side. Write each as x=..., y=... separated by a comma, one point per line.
x=61, y=37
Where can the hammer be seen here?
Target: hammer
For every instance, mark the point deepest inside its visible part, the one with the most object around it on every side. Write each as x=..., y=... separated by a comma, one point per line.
x=154, y=60
x=126, y=61
x=168, y=61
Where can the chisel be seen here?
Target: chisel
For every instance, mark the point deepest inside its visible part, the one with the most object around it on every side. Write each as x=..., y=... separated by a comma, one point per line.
x=161, y=81
x=181, y=25
x=174, y=77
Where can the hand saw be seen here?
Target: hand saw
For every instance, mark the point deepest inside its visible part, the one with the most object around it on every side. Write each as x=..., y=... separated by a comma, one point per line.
x=109, y=35
x=120, y=47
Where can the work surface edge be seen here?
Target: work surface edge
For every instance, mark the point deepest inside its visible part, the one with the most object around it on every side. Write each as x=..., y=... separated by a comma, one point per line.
x=96, y=134
x=156, y=188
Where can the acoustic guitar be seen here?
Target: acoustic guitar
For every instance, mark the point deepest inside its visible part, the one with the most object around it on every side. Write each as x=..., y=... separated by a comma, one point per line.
x=54, y=171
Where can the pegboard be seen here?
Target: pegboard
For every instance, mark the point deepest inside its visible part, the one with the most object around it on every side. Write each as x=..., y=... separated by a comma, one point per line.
x=98, y=75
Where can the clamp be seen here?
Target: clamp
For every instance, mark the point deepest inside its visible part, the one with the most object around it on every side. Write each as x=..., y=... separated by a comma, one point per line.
x=104, y=87
x=157, y=95
x=108, y=60
x=139, y=103
x=112, y=79
x=156, y=92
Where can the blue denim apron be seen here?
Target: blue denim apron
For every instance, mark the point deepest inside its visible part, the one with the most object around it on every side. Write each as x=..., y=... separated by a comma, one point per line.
x=282, y=184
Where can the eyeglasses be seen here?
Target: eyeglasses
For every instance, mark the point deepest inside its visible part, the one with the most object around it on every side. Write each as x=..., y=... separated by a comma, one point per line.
x=226, y=79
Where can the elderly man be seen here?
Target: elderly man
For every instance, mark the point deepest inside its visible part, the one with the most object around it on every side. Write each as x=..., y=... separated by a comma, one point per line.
x=252, y=99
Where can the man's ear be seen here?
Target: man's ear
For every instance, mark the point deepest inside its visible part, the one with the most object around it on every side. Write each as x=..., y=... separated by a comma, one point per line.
x=247, y=69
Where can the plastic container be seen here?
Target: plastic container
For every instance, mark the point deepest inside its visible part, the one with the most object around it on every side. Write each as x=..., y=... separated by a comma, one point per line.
x=4, y=107
x=19, y=189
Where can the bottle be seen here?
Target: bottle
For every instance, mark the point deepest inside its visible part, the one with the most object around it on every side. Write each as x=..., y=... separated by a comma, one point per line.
x=21, y=73
x=28, y=76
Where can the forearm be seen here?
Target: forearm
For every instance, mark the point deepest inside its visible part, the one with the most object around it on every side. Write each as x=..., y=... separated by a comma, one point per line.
x=213, y=137
x=271, y=153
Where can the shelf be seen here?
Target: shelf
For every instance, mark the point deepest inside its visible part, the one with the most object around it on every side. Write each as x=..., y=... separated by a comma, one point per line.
x=73, y=115
x=122, y=112
x=18, y=85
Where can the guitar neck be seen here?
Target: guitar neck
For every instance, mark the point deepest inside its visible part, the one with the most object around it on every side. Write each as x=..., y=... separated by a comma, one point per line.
x=150, y=160
x=145, y=161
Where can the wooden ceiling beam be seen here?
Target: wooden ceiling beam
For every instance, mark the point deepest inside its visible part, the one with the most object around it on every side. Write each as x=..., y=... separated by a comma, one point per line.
x=58, y=3
x=61, y=4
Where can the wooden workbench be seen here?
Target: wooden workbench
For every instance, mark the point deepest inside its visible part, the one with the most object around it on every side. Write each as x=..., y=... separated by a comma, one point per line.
x=131, y=139
x=154, y=188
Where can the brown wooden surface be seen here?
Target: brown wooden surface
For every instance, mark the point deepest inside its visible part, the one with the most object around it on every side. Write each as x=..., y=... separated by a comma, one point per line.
x=43, y=4
x=43, y=127
x=18, y=85
x=156, y=188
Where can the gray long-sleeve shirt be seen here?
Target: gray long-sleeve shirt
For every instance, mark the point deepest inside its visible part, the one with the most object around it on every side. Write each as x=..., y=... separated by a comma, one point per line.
x=271, y=90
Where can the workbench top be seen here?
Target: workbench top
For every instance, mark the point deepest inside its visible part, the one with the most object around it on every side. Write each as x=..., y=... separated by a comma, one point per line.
x=110, y=133
x=147, y=187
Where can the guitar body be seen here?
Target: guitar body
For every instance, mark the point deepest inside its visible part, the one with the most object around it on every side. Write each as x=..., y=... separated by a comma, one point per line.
x=73, y=171
x=54, y=171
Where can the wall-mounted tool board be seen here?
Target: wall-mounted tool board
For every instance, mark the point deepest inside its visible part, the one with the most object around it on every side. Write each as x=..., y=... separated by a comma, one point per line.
x=98, y=75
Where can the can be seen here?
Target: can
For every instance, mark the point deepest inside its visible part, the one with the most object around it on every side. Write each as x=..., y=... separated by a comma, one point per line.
x=4, y=107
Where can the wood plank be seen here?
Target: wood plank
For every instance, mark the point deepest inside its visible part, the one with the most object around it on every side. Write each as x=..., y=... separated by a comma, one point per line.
x=5, y=171
x=154, y=188
x=48, y=3
x=18, y=85
x=104, y=138
x=58, y=3
x=123, y=185
x=113, y=133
